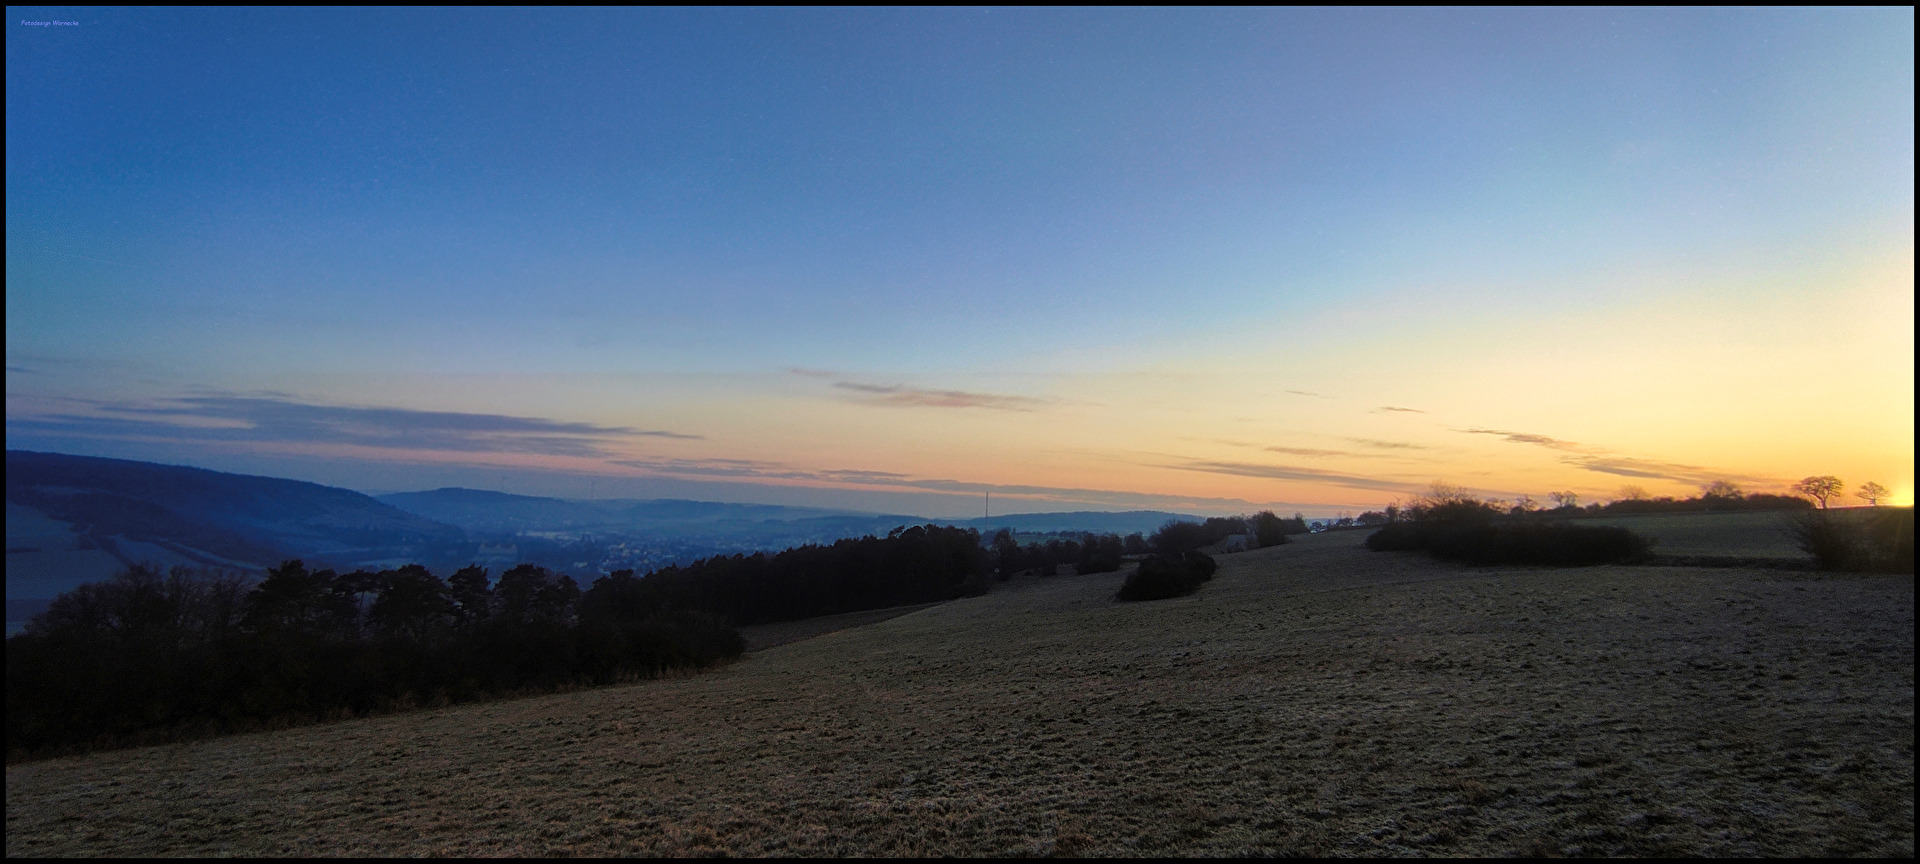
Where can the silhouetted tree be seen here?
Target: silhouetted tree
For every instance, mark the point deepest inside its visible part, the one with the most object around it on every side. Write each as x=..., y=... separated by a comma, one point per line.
x=293, y=600
x=1007, y=558
x=471, y=592
x=1176, y=537
x=1269, y=529
x=1820, y=488
x=618, y=596
x=355, y=592
x=1721, y=495
x=412, y=604
x=531, y=593
x=1099, y=554
x=1221, y=527
x=1443, y=502
x=1871, y=492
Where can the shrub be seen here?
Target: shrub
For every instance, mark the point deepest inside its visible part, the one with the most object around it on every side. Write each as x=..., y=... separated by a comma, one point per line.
x=1444, y=503
x=1177, y=537
x=1485, y=543
x=1880, y=542
x=1401, y=537
x=1269, y=529
x=1099, y=554
x=1164, y=576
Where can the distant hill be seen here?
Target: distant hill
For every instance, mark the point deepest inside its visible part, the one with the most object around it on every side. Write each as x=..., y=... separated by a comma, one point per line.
x=63, y=505
x=480, y=510
x=74, y=519
x=497, y=512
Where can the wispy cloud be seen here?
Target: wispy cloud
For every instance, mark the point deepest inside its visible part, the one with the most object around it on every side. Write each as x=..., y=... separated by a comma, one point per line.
x=258, y=419
x=746, y=470
x=901, y=396
x=1290, y=451
x=1528, y=438
x=910, y=397
x=1601, y=461
x=1291, y=472
x=1388, y=445
x=1697, y=475
x=1309, y=393
x=1398, y=409
x=1305, y=451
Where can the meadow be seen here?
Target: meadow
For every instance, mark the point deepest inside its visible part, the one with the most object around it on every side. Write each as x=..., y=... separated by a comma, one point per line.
x=1762, y=534
x=1313, y=698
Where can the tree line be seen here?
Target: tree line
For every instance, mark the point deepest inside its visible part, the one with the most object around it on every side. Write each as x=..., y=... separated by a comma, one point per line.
x=917, y=564
x=153, y=656
x=1450, y=523
x=1720, y=496
x=1103, y=553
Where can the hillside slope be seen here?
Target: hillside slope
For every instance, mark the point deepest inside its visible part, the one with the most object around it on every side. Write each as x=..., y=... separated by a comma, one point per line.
x=200, y=516
x=1314, y=698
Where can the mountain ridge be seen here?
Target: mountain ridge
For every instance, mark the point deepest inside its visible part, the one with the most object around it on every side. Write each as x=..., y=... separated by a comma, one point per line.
x=74, y=519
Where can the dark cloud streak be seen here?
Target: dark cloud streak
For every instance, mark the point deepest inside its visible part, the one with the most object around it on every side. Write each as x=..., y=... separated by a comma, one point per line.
x=1527, y=438
x=1624, y=466
x=255, y=419
x=1601, y=462
x=1288, y=472
x=1305, y=451
x=910, y=397
x=749, y=470
x=1388, y=445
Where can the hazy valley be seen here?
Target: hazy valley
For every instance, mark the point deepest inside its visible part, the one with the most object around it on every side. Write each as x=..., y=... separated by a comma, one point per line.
x=73, y=519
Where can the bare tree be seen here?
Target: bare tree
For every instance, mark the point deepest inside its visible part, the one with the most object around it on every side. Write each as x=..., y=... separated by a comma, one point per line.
x=1872, y=492
x=1632, y=493
x=1568, y=498
x=1820, y=488
x=1720, y=489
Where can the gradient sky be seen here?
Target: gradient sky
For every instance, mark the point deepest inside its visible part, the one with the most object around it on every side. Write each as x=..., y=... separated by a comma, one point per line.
x=1213, y=261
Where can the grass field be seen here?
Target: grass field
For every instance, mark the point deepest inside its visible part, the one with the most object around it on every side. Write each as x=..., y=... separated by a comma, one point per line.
x=1314, y=698
x=1764, y=534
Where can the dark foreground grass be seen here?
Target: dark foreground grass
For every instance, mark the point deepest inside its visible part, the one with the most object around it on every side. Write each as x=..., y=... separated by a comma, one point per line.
x=1312, y=699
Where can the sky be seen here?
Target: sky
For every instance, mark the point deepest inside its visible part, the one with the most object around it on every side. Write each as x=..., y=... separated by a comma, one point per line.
x=1212, y=261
